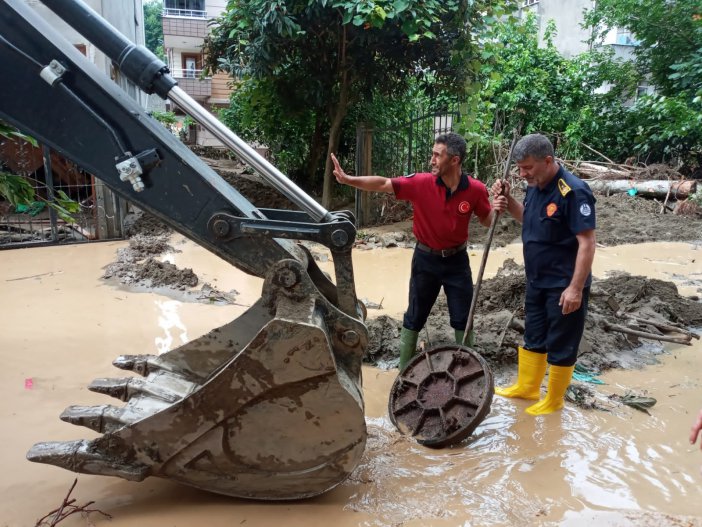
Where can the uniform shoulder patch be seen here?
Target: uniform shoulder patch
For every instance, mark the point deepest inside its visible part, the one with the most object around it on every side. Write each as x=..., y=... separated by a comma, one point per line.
x=563, y=187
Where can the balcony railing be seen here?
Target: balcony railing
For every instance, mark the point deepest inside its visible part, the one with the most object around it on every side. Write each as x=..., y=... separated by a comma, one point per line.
x=194, y=84
x=188, y=74
x=185, y=13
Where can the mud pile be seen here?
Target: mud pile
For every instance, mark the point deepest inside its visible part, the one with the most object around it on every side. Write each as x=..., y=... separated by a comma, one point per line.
x=499, y=321
x=138, y=266
x=621, y=219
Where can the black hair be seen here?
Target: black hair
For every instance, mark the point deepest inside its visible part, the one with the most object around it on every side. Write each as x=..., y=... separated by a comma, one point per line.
x=455, y=144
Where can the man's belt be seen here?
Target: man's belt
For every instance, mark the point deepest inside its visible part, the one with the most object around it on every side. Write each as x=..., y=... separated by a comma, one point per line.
x=442, y=252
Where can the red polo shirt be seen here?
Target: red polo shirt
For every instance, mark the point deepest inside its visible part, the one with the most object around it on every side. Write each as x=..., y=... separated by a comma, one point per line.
x=441, y=218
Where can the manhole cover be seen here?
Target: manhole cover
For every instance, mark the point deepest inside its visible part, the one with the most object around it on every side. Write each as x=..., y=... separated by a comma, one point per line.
x=442, y=395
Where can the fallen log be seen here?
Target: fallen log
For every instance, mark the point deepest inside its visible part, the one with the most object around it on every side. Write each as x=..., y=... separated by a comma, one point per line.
x=646, y=335
x=647, y=189
x=596, y=171
x=659, y=325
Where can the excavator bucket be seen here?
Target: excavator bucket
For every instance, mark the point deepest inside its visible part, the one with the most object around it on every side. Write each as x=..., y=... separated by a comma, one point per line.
x=268, y=406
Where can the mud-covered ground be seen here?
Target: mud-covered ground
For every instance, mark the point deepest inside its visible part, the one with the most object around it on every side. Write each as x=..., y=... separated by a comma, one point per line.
x=499, y=321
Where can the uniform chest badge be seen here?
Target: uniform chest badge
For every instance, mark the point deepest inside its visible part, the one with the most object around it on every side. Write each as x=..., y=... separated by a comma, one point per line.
x=464, y=207
x=551, y=209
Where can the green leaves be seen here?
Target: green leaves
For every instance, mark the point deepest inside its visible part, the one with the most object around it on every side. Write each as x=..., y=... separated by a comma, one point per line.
x=16, y=189
x=19, y=192
x=342, y=54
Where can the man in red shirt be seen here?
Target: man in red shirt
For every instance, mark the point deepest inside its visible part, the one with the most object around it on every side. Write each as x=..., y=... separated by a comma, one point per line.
x=443, y=202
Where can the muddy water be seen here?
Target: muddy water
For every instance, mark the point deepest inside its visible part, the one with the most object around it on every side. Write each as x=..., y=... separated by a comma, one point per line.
x=62, y=326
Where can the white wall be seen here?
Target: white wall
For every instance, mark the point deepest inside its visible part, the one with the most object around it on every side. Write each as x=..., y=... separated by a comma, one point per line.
x=215, y=7
x=126, y=15
x=571, y=38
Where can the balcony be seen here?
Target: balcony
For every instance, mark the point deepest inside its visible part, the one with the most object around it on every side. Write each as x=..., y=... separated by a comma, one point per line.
x=192, y=82
x=184, y=27
x=185, y=13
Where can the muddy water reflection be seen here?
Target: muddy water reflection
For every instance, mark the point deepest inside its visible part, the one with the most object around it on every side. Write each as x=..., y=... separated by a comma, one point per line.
x=62, y=327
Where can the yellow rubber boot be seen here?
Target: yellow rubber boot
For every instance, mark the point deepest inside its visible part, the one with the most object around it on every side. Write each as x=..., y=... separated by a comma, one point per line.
x=530, y=372
x=558, y=381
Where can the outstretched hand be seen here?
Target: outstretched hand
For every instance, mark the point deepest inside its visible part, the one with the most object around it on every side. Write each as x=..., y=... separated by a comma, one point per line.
x=339, y=173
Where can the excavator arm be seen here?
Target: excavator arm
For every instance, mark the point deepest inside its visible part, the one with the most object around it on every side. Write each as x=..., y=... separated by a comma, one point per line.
x=268, y=406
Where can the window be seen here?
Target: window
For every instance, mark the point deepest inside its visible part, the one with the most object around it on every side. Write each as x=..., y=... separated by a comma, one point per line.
x=644, y=89
x=192, y=66
x=185, y=8
x=189, y=5
x=625, y=38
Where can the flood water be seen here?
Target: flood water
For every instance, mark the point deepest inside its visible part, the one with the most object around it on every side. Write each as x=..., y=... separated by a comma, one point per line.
x=62, y=326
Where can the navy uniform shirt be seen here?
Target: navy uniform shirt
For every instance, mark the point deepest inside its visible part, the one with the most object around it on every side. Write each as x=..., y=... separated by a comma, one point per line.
x=552, y=217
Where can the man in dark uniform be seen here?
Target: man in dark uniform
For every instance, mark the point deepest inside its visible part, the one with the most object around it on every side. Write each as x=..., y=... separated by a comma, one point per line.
x=443, y=202
x=558, y=233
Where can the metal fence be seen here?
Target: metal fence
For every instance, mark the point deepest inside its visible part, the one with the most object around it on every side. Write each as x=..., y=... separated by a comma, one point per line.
x=398, y=151
x=100, y=211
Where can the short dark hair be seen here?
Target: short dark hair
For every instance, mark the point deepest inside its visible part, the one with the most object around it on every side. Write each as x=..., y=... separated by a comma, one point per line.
x=533, y=145
x=455, y=144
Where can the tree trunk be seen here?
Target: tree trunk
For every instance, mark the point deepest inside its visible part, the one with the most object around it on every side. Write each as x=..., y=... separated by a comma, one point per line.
x=332, y=145
x=337, y=120
x=316, y=150
x=649, y=189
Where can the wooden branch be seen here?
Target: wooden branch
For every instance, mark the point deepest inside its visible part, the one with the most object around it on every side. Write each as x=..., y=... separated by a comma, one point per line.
x=645, y=335
x=504, y=330
x=660, y=325
x=67, y=509
x=598, y=153
x=665, y=202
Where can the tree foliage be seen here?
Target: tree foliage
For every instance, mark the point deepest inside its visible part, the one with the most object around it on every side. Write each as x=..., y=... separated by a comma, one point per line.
x=18, y=191
x=591, y=100
x=529, y=85
x=669, y=52
x=326, y=56
x=669, y=36
x=153, y=27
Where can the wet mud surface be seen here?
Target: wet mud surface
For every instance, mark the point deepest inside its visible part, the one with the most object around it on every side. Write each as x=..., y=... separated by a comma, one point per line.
x=499, y=321
x=622, y=467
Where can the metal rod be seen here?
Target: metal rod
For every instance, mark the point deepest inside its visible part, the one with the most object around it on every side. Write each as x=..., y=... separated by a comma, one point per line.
x=149, y=73
x=49, y=179
x=271, y=174
x=491, y=232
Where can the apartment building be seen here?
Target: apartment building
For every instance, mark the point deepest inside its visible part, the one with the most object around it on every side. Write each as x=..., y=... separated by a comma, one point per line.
x=127, y=17
x=185, y=26
x=572, y=38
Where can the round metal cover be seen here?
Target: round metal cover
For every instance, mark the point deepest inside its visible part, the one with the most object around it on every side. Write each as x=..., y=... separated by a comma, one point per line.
x=442, y=395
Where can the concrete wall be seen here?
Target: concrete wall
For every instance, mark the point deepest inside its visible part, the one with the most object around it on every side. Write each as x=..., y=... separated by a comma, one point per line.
x=126, y=16
x=571, y=39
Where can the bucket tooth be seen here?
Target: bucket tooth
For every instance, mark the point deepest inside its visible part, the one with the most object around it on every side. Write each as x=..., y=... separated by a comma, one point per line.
x=104, y=418
x=85, y=457
x=125, y=389
x=141, y=364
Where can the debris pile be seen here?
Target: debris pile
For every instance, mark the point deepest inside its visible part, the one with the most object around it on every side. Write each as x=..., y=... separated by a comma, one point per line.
x=635, y=304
